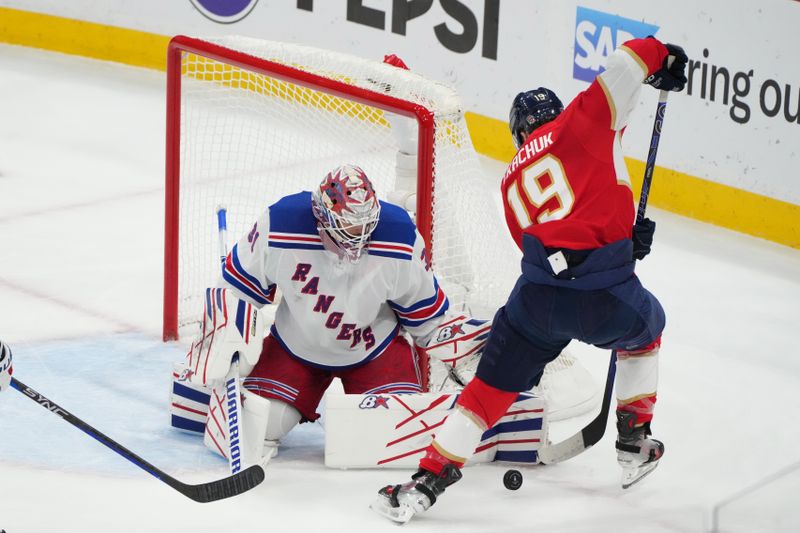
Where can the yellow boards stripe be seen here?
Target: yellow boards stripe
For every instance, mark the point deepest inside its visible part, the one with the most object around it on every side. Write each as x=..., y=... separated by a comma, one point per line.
x=736, y=209
x=88, y=39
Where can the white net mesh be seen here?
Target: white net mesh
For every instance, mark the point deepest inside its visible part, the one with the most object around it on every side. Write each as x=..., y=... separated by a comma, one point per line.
x=247, y=139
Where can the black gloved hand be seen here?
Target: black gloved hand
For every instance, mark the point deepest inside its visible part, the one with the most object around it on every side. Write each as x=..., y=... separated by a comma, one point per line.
x=670, y=77
x=643, y=238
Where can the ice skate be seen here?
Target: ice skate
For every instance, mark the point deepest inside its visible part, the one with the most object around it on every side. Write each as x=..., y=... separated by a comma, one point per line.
x=637, y=454
x=400, y=503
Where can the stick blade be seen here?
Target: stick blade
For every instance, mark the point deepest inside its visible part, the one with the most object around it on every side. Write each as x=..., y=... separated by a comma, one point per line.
x=576, y=444
x=224, y=488
x=561, y=451
x=589, y=435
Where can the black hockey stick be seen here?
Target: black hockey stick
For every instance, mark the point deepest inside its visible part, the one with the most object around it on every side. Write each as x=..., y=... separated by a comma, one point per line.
x=203, y=493
x=594, y=431
x=661, y=109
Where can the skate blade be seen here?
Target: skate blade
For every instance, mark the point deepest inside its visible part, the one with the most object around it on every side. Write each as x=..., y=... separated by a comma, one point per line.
x=401, y=514
x=631, y=476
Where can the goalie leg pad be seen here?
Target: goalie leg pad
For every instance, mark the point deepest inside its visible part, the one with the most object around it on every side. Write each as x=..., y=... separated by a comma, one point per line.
x=251, y=428
x=188, y=402
x=521, y=430
x=395, y=430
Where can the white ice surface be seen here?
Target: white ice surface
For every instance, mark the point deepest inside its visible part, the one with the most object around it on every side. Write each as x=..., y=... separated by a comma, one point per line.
x=81, y=203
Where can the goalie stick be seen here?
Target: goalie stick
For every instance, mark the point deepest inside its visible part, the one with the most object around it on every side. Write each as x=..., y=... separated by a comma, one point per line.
x=202, y=493
x=233, y=391
x=594, y=430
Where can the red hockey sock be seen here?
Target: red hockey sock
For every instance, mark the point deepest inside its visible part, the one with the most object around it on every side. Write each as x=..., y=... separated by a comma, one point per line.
x=641, y=407
x=434, y=461
x=485, y=401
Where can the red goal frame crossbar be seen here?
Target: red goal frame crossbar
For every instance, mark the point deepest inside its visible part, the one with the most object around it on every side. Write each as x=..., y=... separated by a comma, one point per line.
x=182, y=44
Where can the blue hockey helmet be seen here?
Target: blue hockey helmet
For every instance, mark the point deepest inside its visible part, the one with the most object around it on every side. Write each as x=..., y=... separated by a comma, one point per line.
x=530, y=110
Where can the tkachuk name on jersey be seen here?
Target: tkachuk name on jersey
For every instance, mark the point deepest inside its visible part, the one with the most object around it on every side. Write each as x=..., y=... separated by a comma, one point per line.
x=528, y=150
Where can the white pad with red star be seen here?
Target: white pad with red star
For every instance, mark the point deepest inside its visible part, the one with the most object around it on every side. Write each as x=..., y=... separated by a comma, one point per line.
x=393, y=430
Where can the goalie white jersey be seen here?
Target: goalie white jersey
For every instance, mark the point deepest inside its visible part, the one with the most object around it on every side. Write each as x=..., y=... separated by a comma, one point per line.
x=334, y=313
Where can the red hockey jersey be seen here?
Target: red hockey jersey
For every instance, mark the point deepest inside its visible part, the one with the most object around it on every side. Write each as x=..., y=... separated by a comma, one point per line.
x=568, y=184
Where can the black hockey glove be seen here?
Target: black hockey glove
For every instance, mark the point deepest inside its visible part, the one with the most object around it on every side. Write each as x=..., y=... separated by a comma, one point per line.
x=643, y=238
x=670, y=77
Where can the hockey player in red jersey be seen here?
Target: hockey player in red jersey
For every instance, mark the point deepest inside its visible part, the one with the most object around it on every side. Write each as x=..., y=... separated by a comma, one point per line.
x=570, y=208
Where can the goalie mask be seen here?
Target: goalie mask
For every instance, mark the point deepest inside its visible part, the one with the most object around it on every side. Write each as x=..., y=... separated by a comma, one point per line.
x=347, y=209
x=530, y=110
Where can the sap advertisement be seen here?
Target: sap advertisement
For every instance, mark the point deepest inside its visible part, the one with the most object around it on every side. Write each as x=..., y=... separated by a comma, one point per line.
x=737, y=123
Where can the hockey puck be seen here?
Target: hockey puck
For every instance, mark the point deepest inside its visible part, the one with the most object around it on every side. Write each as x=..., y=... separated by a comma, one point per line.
x=512, y=479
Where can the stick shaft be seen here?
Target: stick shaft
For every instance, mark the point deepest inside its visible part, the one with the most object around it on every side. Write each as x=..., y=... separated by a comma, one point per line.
x=222, y=226
x=232, y=387
x=650, y=165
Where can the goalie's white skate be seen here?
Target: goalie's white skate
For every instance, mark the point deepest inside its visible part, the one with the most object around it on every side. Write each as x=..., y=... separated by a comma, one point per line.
x=400, y=503
x=637, y=454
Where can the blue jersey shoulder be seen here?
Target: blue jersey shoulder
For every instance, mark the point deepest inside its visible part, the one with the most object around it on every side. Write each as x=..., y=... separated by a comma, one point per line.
x=395, y=225
x=292, y=214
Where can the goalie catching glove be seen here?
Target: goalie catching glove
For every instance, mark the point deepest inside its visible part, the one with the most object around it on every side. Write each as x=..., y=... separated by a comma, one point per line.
x=230, y=326
x=458, y=344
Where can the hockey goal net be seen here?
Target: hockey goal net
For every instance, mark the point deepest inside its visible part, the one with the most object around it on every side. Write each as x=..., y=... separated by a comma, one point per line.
x=249, y=121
